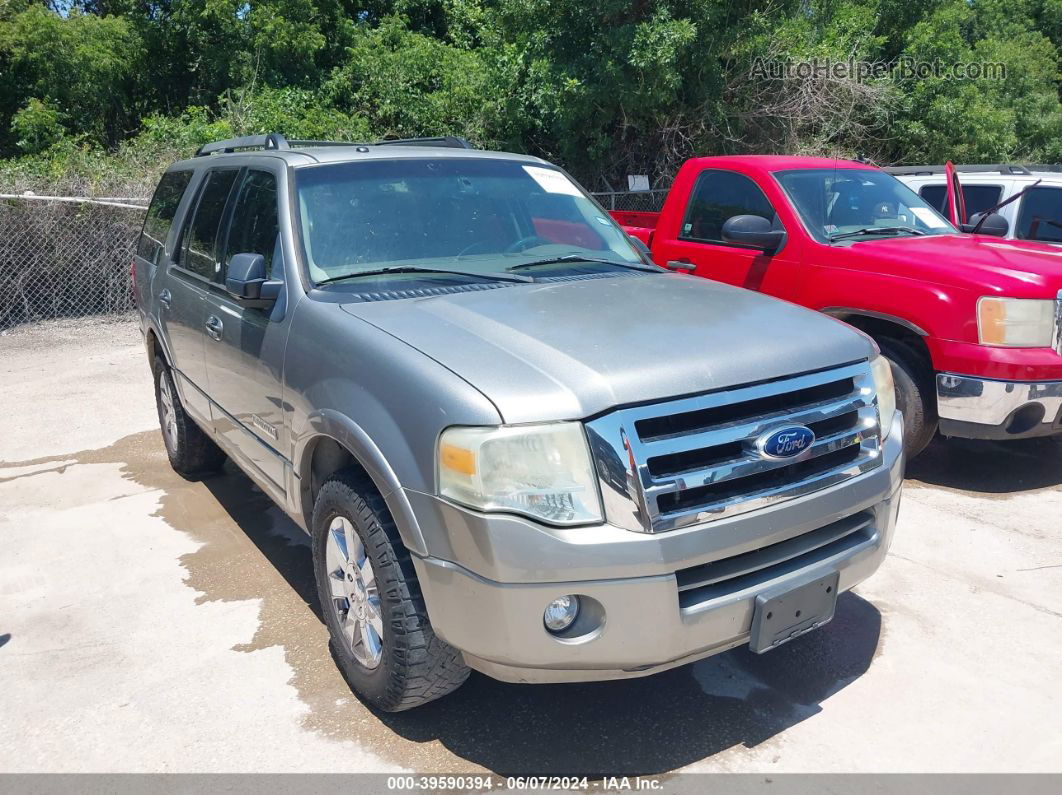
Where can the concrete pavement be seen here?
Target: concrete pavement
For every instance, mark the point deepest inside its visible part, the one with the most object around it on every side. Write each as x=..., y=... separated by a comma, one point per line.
x=151, y=624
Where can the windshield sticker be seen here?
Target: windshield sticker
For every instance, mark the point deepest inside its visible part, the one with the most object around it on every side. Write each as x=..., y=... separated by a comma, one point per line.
x=928, y=217
x=552, y=181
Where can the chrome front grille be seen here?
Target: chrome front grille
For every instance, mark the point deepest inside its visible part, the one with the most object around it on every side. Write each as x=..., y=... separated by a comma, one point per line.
x=685, y=462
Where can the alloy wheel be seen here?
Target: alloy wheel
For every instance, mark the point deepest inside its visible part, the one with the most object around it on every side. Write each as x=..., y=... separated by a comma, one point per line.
x=355, y=598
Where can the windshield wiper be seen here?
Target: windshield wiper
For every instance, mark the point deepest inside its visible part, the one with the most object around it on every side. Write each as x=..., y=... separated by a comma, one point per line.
x=997, y=207
x=498, y=277
x=580, y=258
x=876, y=230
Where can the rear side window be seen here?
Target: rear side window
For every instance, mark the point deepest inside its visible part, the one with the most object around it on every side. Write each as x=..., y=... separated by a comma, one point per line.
x=977, y=198
x=717, y=197
x=254, y=228
x=200, y=237
x=1040, y=216
x=160, y=214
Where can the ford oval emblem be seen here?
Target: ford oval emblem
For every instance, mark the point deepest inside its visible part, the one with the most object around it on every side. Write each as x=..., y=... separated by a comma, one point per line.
x=787, y=442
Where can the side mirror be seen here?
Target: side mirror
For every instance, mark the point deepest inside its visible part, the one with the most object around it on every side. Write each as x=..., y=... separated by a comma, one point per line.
x=754, y=231
x=995, y=225
x=245, y=280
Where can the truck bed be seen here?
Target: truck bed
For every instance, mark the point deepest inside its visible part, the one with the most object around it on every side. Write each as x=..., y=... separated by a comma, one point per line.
x=636, y=223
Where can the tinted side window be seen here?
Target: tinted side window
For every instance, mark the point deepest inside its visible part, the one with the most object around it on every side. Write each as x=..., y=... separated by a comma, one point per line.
x=977, y=198
x=253, y=229
x=1040, y=216
x=935, y=195
x=717, y=197
x=160, y=214
x=200, y=238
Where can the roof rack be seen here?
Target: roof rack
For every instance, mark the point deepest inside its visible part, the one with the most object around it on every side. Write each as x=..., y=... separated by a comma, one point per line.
x=278, y=141
x=448, y=141
x=270, y=141
x=998, y=168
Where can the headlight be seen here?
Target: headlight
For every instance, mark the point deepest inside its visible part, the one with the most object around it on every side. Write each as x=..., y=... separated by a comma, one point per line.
x=881, y=370
x=542, y=471
x=1016, y=322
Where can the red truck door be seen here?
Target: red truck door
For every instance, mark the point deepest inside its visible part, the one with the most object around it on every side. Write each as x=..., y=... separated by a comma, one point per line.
x=717, y=195
x=956, y=203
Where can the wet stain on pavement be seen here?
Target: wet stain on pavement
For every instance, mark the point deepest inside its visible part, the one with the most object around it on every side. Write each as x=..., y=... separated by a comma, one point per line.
x=652, y=725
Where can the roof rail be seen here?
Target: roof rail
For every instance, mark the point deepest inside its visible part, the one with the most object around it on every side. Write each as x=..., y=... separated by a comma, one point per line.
x=449, y=141
x=270, y=141
x=998, y=168
x=278, y=141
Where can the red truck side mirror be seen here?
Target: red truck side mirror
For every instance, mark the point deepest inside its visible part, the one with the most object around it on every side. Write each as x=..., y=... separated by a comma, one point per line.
x=754, y=231
x=995, y=225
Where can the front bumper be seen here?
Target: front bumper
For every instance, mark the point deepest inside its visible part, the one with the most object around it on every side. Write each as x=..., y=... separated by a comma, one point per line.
x=490, y=607
x=981, y=408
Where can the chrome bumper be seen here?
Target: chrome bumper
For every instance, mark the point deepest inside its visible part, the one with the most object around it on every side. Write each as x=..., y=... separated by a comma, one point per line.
x=979, y=408
x=651, y=615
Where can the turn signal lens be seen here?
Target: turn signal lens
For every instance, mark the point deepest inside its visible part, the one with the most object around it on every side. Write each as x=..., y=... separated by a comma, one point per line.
x=1016, y=322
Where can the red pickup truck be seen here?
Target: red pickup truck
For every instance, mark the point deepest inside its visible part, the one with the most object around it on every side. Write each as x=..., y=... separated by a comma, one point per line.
x=971, y=323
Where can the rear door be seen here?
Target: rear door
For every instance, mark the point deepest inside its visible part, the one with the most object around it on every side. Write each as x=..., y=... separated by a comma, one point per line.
x=244, y=345
x=1040, y=215
x=976, y=197
x=181, y=296
x=717, y=196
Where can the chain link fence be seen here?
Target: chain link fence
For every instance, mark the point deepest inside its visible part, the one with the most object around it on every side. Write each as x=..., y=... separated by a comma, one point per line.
x=64, y=257
x=643, y=201
x=68, y=257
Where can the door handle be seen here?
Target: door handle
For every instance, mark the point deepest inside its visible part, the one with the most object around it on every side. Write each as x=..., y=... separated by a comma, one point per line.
x=681, y=265
x=164, y=299
x=214, y=327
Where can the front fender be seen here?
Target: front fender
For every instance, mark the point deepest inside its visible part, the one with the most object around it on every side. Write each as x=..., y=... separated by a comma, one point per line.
x=331, y=424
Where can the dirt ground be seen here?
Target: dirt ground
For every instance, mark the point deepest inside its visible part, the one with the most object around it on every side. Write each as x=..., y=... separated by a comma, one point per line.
x=152, y=624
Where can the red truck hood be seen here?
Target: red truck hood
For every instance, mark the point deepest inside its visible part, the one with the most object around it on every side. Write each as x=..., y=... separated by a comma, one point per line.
x=1009, y=267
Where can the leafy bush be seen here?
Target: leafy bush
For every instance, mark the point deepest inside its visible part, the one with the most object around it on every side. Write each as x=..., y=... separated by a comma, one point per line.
x=101, y=98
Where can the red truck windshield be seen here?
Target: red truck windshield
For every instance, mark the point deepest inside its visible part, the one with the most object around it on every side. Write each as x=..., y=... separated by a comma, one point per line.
x=479, y=215
x=839, y=202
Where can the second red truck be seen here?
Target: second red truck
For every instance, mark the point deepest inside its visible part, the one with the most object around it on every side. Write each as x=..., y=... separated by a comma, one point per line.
x=971, y=323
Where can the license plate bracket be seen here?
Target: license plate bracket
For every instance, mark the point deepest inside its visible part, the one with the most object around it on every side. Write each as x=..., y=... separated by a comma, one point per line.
x=782, y=615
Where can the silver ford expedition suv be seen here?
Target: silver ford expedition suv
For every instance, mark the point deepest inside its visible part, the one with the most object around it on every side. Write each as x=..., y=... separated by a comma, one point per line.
x=516, y=444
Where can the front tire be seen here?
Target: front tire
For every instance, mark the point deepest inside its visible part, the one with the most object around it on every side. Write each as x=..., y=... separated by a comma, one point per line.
x=380, y=634
x=915, y=395
x=191, y=451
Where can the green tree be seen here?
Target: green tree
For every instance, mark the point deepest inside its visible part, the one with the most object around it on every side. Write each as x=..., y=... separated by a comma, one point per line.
x=82, y=66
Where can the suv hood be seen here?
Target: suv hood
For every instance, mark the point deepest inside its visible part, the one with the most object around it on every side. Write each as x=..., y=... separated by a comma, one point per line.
x=570, y=350
x=1018, y=268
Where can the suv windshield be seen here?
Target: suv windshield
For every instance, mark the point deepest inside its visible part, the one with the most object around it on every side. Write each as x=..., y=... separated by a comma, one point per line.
x=859, y=204
x=473, y=216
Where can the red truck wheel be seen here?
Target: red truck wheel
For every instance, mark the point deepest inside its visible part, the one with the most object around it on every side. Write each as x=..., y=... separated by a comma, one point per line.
x=914, y=394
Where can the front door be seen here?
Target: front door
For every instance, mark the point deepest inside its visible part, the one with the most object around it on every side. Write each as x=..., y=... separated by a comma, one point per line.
x=717, y=196
x=182, y=310
x=245, y=346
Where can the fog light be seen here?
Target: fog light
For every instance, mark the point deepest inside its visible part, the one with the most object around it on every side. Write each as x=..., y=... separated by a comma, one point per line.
x=561, y=612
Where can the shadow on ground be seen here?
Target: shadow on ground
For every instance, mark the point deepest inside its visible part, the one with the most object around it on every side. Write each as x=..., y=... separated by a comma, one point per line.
x=650, y=725
x=989, y=467
x=248, y=550
x=639, y=726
